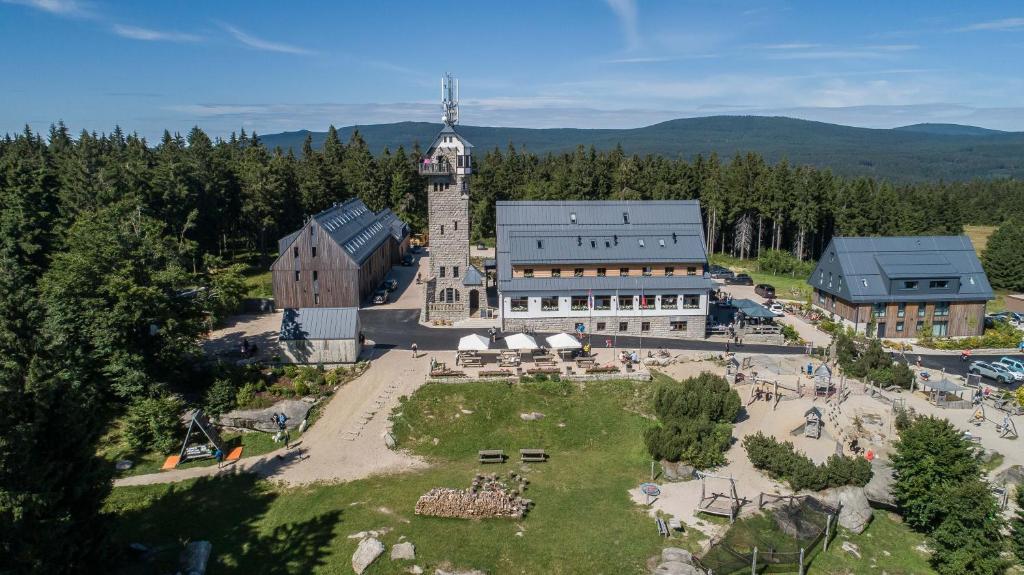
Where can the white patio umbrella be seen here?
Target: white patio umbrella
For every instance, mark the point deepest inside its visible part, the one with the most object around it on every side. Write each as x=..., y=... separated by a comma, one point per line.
x=474, y=342
x=521, y=342
x=563, y=341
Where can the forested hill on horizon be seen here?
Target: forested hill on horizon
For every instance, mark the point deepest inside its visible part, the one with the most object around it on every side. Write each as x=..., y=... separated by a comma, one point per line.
x=916, y=153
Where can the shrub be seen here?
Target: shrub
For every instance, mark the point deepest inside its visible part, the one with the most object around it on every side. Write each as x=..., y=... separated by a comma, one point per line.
x=932, y=457
x=1017, y=525
x=695, y=421
x=301, y=389
x=221, y=396
x=781, y=461
x=153, y=423
x=780, y=262
x=1001, y=336
x=790, y=334
x=697, y=442
x=248, y=396
x=706, y=395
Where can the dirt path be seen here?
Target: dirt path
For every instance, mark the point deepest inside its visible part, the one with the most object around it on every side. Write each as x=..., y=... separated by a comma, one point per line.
x=346, y=443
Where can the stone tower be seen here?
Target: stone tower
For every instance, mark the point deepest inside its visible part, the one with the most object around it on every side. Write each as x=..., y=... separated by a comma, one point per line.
x=454, y=289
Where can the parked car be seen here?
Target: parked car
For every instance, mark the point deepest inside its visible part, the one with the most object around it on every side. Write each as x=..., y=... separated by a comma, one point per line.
x=408, y=260
x=778, y=309
x=767, y=291
x=996, y=371
x=390, y=284
x=380, y=296
x=1012, y=364
x=720, y=273
x=740, y=280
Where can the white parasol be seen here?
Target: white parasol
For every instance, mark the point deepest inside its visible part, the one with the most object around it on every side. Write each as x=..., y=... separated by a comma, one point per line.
x=563, y=341
x=474, y=342
x=520, y=341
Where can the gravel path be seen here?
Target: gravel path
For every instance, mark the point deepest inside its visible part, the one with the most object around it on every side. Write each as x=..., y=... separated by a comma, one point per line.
x=345, y=444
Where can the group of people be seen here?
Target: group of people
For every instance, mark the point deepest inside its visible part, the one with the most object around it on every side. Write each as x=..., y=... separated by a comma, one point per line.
x=279, y=420
x=762, y=393
x=629, y=357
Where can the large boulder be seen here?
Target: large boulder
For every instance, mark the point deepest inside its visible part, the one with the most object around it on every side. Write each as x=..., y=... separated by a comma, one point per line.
x=676, y=471
x=854, y=511
x=404, y=550
x=260, y=419
x=676, y=554
x=676, y=568
x=367, y=552
x=1013, y=474
x=880, y=488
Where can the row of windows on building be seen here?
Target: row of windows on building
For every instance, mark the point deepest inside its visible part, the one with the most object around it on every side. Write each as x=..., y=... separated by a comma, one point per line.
x=907, y=285
x=442, y=270
x=880, y=309
x=603, y=272
x=623, y=326
x=604, y=302
x=455, y=225
x=295, y=251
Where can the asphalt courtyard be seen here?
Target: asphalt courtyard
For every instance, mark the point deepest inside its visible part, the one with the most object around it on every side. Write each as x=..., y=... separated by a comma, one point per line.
x=400, y=328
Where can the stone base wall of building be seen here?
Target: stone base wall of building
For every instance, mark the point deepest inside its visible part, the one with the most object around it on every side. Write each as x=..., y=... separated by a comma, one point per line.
x=661, y=326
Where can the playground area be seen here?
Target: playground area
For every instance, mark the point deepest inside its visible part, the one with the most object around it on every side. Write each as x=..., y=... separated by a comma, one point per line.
x=821, y=415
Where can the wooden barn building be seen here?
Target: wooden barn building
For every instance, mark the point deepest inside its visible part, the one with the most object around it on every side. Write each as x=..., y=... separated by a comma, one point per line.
x=338, y=258
x=897, y=287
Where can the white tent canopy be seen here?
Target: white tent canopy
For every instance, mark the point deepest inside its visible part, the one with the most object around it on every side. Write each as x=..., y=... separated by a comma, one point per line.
x=563, y=341
x=520, y=341
x=474, y=342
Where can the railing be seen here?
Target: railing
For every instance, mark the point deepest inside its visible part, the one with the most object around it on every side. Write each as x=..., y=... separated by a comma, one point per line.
x=435, y=169
x=447, y=307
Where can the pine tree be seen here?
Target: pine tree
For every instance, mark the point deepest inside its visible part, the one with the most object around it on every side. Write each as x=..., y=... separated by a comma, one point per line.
x=1003, y=257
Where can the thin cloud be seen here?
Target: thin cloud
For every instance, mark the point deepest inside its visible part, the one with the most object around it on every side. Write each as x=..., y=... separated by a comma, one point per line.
x=150, y=35
x=819, y=52
x=625, y=11
x=791, y=46
x=660, y=59
x=58, y=7
x=261, y=44
x=1004, y=24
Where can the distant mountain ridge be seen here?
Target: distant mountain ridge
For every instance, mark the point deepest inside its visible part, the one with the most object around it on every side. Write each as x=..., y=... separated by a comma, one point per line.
x=920, y=152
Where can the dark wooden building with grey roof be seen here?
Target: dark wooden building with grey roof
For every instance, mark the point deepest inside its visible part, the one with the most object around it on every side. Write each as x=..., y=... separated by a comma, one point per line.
x=897, y=287
x=338, y=258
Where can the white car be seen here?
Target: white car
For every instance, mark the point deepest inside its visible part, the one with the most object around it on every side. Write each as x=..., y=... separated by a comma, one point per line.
x=777, y=309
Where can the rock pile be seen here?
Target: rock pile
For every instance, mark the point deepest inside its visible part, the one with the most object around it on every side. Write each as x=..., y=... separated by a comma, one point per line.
x=676, y=561
x=487, y=496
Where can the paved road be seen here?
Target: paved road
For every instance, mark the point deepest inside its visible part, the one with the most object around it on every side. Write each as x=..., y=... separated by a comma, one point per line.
x=400, y=328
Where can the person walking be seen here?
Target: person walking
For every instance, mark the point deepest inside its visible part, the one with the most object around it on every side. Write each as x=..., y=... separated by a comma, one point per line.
x=219, y=456
x=286, y=438
x=415, y=350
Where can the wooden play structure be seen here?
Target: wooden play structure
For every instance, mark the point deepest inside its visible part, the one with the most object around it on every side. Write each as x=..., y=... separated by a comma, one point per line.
x=823, y=386
x=812, y=423
x=199, y=426
x=724, y=504
x=1007, y=428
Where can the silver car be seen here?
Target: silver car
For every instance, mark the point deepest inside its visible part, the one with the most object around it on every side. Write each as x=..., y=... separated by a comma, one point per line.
x=996, y=371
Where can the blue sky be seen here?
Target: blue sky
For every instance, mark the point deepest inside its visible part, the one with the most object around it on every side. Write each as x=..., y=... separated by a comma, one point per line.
x=273, y=66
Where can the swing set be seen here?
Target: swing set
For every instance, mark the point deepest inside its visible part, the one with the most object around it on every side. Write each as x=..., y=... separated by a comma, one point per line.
x=200, y=427
x=724, y=504
x=1007, y=428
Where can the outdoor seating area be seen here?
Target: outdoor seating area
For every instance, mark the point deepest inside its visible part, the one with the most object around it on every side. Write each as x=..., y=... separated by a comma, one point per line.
x=520, y=354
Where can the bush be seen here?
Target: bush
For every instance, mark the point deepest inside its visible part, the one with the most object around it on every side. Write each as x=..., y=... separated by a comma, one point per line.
x=873, y=364
x=301, y=389
x=153, y=424
x=1003, y=335
x=697, y=442
x=248, y=396
x=781, y=461
x=790, y=334
x=1017, y=525
x=706, y=395
x=695, y=421
x=780, y=262
x=221, y=396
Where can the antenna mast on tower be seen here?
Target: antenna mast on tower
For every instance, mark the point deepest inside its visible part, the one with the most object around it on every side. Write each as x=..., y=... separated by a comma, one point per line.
x=449, y=100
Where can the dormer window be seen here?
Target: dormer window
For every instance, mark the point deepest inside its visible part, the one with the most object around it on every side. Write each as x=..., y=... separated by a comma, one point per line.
x=910, y=285
x=938, y=284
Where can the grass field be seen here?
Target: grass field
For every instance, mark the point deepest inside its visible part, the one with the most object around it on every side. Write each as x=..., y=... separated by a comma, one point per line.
x=979, y=236
x=583, y=520
x=786, y=287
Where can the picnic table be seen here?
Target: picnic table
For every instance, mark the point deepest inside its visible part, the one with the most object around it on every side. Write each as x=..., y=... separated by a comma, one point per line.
x=491, y=456
x=544, y=361
x=533, y=455
x=585, y=362
x=471, y=360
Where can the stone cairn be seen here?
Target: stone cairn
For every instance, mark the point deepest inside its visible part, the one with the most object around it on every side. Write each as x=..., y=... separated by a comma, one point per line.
x=487, y=496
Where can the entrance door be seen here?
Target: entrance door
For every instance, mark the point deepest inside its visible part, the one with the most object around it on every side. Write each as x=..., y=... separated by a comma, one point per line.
x=474, y=301
x=881, y=330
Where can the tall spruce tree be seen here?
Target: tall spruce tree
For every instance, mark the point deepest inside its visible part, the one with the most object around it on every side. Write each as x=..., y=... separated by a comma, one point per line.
x=1003, y=257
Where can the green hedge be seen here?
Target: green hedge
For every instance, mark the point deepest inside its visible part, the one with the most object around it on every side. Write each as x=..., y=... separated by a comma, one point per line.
x=695, y=421
x=783, y=462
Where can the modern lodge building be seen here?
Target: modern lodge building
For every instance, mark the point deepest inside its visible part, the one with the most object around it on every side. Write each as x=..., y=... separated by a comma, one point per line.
x=895, y=287
x=603, y=267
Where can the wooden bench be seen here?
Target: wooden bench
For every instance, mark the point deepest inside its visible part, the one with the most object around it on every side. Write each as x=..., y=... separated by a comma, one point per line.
x=491, y=456
x=533, y=455
x=585, y=362
x=662, y=527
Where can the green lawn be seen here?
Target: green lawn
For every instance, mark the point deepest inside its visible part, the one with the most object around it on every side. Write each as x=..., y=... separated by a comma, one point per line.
x=786, y=287
x=885, y=546
x=258, y=283
x=583, y=520
x=254, y=443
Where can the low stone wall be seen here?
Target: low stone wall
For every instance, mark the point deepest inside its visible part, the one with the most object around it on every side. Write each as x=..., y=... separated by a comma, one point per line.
x=575, y=377
x=661, y=326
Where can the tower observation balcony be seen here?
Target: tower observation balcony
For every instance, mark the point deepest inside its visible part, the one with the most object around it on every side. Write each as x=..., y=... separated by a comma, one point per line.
x=435, y=169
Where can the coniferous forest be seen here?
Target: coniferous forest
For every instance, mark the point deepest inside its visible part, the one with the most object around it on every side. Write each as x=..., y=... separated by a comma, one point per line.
x=115, y=253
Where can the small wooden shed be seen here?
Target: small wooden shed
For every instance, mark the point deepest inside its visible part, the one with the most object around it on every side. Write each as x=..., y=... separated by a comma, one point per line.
x=320, y=335
x=812, y=423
